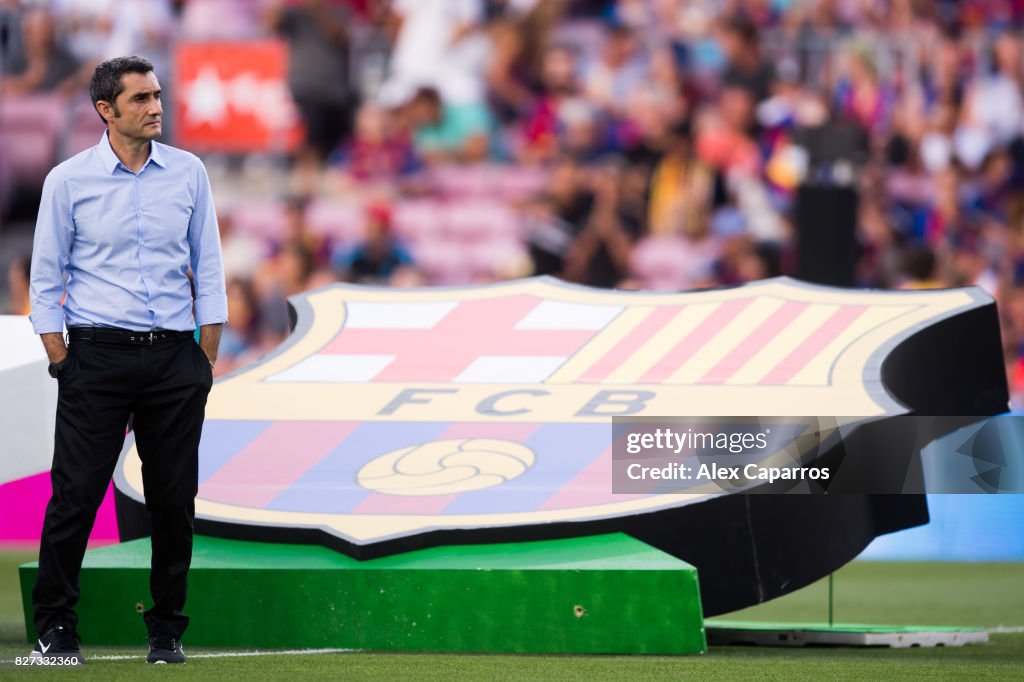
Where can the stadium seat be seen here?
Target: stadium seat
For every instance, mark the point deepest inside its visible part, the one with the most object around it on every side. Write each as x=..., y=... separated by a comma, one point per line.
x=496, y=259
x=30, y=154
x=444, y=262
x=417, y=220
x=259, y=218
x=30, y=129
x=220, y=20
x=84, y=130
x=516, y=183
x=669, y=263
x=480, y=220
x=341, y=221
x=462, y=181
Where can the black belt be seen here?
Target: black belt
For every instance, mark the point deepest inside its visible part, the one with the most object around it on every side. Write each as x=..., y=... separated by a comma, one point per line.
x=125, y=337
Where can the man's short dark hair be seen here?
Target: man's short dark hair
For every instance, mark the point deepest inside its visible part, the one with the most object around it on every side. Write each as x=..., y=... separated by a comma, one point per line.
x=106, y=82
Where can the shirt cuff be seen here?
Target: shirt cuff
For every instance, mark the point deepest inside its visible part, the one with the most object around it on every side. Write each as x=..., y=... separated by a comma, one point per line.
x=47, y=321
x=211, y=309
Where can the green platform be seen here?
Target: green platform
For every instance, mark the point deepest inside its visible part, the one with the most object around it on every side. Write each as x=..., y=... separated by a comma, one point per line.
x=601, y=594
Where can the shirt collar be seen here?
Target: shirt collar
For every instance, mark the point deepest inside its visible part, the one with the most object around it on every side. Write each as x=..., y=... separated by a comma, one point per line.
x=111, y=162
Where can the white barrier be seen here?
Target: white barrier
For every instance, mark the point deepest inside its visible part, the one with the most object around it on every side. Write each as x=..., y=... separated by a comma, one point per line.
x=28, y=401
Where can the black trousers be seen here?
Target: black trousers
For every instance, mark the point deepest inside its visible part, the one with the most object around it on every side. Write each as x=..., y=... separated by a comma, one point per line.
x=165, y=386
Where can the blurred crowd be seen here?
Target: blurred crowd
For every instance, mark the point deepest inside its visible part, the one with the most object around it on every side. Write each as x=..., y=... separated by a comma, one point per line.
x=655, y=144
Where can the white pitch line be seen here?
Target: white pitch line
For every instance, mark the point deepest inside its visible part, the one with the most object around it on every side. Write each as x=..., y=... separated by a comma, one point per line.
x=222, y=654
x=1007, y=630
x=998, y=630
x=237, y=654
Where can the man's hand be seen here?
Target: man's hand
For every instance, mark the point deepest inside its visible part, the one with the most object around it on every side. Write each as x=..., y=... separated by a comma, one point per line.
x=209, y=340
x=56, y=349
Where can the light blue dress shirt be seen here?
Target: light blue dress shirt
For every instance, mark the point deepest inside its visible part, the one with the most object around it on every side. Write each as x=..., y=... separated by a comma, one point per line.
x=120, y=244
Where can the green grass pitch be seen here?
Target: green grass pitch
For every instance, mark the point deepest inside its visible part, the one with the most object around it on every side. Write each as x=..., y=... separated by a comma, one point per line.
x=985, y=595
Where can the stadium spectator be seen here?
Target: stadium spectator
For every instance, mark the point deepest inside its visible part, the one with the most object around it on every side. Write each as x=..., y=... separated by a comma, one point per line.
x=432, y=49
x=10, y=30
x=599, y=255
x=45, y=63
x=554, y=218
x=296, y=232
x=242, y=253
x=681, y=186
x=17, y=286
x=861, y=97
x=143, y=27
x=723, y=134
x=287, y=273
x=918, y=106
x=743, y=259
x=318, y=60
x=510, y=89
x=241, y=339
x=608, y=79
x=445, y=132
x=994, y=110
x=542, y=130
x=920, y=268
x=971, y=265
x=378, y=152
x=746, y=68
x=379, y=258
x=89, y=25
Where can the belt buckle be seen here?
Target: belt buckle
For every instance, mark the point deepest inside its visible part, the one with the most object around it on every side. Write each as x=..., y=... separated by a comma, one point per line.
x=141, y=339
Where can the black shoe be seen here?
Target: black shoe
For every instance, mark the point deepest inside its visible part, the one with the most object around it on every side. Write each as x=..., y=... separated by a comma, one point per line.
x=59, y=643
x=165, y=649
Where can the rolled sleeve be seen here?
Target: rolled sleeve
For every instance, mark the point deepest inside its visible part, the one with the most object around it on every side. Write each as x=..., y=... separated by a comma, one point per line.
x=51, y=247
x=207, y=264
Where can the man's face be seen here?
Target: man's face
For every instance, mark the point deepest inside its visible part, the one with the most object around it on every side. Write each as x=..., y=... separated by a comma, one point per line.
x=137, y=112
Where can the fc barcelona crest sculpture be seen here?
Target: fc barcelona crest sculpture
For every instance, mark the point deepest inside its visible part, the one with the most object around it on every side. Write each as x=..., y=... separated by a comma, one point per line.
x=397, y=419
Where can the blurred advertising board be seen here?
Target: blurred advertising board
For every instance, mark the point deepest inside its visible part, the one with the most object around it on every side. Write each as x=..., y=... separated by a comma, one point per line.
x=233, y=97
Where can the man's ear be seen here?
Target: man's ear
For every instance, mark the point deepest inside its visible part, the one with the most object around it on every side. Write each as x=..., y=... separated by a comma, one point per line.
x=105, y=109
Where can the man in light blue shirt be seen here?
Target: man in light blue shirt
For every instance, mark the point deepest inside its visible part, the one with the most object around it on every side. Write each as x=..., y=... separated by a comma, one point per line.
x=119, y=229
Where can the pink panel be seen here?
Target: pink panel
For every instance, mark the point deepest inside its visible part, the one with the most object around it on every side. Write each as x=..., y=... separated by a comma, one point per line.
x=24, y=504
